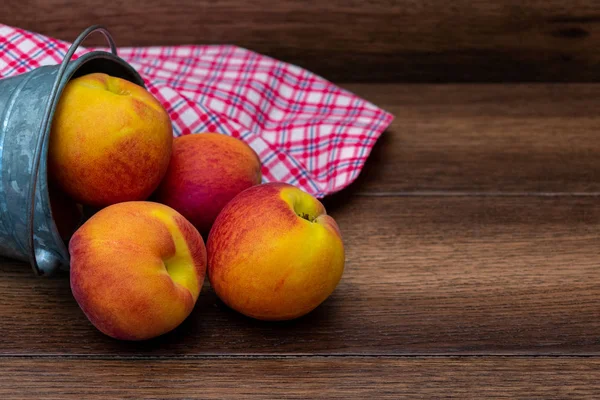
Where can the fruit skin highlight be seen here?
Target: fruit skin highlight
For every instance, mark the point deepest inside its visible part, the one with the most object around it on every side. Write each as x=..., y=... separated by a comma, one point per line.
x=111, y=141
x=274, y=253
x=137, y=269
x=207, y=170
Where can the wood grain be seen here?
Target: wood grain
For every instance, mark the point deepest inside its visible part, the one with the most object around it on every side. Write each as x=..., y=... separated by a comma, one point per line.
x=425, y=275
x=376, y=40
x=301, y=378
x=485, y=139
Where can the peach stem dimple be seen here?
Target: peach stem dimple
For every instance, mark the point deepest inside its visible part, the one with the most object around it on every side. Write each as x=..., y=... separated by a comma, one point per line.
x=113, y=87
x=305, y=216
x=299, y=200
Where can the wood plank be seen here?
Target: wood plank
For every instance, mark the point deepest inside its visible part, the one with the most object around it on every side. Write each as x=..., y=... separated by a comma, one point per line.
x=383, y=40
x=425, y=275
x=485, y=139
x=301, y=378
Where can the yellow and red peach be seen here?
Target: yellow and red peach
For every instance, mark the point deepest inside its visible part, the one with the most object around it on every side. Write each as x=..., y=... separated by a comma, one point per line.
x=137, y=269
x=110, y=142
x=274, y=253
x=206, y=171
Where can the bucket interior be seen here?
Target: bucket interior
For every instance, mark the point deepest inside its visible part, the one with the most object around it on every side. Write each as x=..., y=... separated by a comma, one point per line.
x=109, y=67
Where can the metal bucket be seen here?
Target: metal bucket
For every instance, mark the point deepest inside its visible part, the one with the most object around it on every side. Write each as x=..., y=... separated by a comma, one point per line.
x=27, y=105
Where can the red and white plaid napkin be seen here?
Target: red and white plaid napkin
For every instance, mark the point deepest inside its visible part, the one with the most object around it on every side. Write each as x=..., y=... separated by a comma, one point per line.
x=307, y=131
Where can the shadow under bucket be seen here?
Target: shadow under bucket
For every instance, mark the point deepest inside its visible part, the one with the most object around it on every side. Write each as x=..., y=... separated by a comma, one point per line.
x=27, y=105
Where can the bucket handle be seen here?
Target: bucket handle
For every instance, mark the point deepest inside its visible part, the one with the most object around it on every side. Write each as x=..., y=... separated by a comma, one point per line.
x=45, y=128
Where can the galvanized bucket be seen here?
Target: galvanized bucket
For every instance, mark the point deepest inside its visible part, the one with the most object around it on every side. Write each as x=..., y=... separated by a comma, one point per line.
x=27, y=104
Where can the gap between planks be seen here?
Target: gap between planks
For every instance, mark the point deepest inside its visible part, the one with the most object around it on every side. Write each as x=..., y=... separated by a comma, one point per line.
x=475, y=194
x=294, y=356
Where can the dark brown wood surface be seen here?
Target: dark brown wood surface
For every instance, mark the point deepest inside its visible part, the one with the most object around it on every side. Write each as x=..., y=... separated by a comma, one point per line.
x=485, y=139
x=302, y=378
x=375, y=40
x=473, y=268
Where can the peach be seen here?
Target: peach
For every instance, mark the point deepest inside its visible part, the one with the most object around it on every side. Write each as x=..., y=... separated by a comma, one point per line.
x=110, y=142
x=274, y=253
x=137, y=269
x=206, y=171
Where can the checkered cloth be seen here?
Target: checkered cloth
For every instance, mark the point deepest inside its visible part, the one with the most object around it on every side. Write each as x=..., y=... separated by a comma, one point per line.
x=306, y=131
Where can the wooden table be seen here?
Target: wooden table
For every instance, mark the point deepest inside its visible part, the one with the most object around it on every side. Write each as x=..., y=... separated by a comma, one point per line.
x=473, y=269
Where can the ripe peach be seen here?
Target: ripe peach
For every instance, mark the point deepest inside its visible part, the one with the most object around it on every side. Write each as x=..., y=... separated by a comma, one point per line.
x=274, y=253
x=206, y=171
x=137, y=269
x=110, y=142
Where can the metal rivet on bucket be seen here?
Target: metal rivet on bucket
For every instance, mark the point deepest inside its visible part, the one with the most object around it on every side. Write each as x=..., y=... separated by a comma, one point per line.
x=27, y=105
